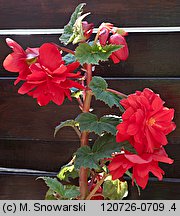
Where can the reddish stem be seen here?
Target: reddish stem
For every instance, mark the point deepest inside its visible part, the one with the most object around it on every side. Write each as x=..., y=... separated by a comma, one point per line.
x=116, y=92
x=83, y=176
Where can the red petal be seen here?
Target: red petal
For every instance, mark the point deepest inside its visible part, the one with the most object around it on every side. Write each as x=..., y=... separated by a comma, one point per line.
x=43, y=99
x=73, y=66
x=15, y=46
x=13, y=62
x=165, y=115
x=157, y=103
x=50, y=56
x=132, y=129
x=159, y=136
x=26, y=87
x=136, y=159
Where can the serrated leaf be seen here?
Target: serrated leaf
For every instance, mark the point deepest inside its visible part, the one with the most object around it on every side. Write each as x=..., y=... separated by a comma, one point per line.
x=84, y=158
x=99, y=88
x=71, y=191
x=67, y=123
x=85, y=53
x=89, y=122
x=63, y=191
x=54, y=185
x=78, y=34
x=69, y=58
x=115, y=190
x=50, y=195
x=68, y=29
x=67, y=172
x=103, y=147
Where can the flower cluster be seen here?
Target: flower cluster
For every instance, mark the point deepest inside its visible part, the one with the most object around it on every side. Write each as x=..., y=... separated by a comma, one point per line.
x=146, y=122
x=116, y=38
x=46, y=76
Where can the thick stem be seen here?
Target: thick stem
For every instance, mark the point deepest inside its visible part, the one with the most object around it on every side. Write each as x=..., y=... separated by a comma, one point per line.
x=83, y=176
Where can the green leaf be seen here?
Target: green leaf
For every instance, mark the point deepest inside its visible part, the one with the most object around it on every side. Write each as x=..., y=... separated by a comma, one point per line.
x=54, y=185
x=67, y=123
x=115, y=190
x=68, y=29
x=69, y=58
x=85, y=158
x=64, y=191
x=67, y=172
x=103, y=147
x=71, y=191
x=50, y=195
x=99, y=88
x=89, y=122
x=85, y=53
x=78, y=34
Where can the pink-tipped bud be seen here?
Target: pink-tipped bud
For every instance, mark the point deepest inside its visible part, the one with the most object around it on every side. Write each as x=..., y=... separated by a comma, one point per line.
x=87, y=29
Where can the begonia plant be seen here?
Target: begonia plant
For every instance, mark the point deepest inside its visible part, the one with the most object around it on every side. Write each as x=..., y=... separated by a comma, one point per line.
x=130, y=144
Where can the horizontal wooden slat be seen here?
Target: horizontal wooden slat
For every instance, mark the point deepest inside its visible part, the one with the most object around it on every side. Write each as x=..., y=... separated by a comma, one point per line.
x=50, y=156
x=56, y=13
x=26, y=188
x=22, y=118
x=151, y=54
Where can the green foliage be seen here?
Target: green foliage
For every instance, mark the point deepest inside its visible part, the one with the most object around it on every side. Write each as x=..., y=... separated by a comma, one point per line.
x=69, y=58
x=60, y=191
x=68, y=29
x=90, y=122
x=99, y=88
x=78, y=34
x=67, y=123
x=85, y=53
x=115, y=190
x=67, y=172
x=103, y=147
x=50, y=195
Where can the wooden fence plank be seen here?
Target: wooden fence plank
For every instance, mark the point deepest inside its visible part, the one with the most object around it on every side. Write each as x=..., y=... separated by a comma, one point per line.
x=26, y=188
x=22, y=118
x=151, y=54
x=56, y=13
x=50, y=156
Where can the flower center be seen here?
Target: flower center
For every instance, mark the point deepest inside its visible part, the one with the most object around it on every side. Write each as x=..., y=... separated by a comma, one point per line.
x=151, y=121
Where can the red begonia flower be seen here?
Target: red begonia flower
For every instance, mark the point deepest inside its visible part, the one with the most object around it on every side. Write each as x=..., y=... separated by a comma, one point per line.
x=146, y=122
x=141, y=165
x=19, y=60
x=50, y=79
x=121, y=54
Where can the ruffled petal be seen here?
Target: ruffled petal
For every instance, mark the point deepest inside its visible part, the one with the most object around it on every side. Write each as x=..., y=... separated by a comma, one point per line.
x=50, y=56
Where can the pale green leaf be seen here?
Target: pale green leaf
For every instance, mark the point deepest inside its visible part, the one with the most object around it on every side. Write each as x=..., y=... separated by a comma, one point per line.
x=68, y=29
x=85, y=53
x=67, y=172
x=115, y=190
x=67, y=123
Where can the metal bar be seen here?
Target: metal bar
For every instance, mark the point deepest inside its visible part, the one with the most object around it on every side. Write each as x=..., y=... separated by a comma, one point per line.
x=60, y=31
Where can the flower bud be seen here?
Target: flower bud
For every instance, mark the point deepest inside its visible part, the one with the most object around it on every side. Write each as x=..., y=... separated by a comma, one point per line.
x=122, y=53
x=87, y=29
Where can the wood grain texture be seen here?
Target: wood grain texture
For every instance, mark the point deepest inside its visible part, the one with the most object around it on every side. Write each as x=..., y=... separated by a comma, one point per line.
x=56, y=13
x=26, y=188
x=151, y=54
